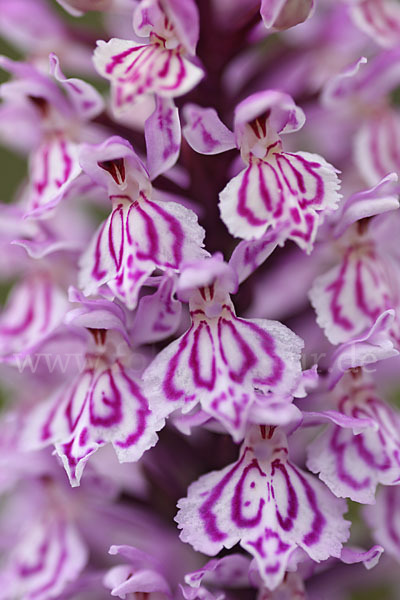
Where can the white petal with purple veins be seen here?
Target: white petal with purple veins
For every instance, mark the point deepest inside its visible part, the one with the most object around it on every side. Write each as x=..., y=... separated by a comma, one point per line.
x=103, y=405
x=285, y=188
x=135, y=69
x=137, y=238
x=350, y=297
x=220, y=363
x=352, y=465
x=267, y=505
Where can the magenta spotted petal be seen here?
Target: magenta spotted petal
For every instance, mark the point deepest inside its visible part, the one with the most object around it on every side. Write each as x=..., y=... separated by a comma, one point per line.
x=266, y=504
x=353, y=465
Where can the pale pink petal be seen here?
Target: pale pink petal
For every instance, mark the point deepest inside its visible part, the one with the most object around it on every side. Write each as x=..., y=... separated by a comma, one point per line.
x=141, y=575
x=158, y=315
x=163, y=137
x=85, y=99
x=267, y=505
x=205, y=273
x=381, y=198
x=77, y=8
x=148, y=17
x=98, y=313
x=376, y=344
x=283, y=14
x=115, y=165
x=205, y=132
x=284, y=116
x=369, y=558
x=184, y=15
x=343, y=85
x=248, y=256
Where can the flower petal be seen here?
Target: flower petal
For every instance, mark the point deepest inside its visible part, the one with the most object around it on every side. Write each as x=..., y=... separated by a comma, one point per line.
x=377, y=147
x=350, y=297
x=53, y=167
x=283, y=14
x=137, y=238
x=205, y=132
x=103, y=405
x=376, y=344
x=248, y=256
x=163, y=137
x=380, y=19
x=286, y=189
x=219, y=363
x=158, y=315
x=267, y=505
x=87, y=101
x=384, y=519
x=35, y=308
x=352, y=465
x=135, y=69
x=50, y=555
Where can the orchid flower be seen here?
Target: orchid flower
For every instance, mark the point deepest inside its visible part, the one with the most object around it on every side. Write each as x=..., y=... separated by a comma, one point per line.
x=352, y=465
x=224, y=363
x=277, y=188
x=364, y=282
x=103, y=404
x=160, y=63
x=141, y=234
x=265, y=503
x=55, y=109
